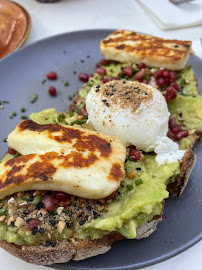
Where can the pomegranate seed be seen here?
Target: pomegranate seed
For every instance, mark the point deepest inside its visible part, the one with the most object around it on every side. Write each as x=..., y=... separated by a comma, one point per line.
x=172, y=123
x=61, y=196
x=145, y=81
x=171, y=92
x=114, y=79
x=172, y=76
x=51, y=75
x=98, y=64
x=140, y=74
x=105, y=80
x=128, y=71
x=157, y=74
x=48, y=202
x=142, y=65
x=176, y=129
x=170, y=134
x=165, y=73
x=175, y=85
x=83, y=77
x=104, y=62
x=11, y=151
x=52, y=91
x=71, y=108
x=181, y=134
x=101, y=71
x=161, y=82
x=83, y=112
x=135, y=154
x=33, y=223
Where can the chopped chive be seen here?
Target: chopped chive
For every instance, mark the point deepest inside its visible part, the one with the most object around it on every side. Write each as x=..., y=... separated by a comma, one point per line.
x=0, y=102
x=76, y=110
x=5, y=101
x=66, y=83
x=10, y=117
x=22, y=109
x=190, y=95
x=74, y=95
x=16, y=155
x=138, y=182
x=89, y=84
x=23, y=117
x=66, y=211
x=34, y=98
x=61, y=117
x=5, y=139
x=129, y=158
x=25, y=199
x=71, y=113
x=182, y=82
x=129, y=187
x=43, y=81
x=178, y=76
x=70, y=97
x=3, y=212
x=77, y=122
x=14, y=113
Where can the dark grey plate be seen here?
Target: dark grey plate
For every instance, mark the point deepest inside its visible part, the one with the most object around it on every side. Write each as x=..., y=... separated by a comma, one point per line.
x=21, y=75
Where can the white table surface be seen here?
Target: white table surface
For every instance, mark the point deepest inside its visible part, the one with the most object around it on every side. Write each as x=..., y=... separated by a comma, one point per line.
x=71, y=15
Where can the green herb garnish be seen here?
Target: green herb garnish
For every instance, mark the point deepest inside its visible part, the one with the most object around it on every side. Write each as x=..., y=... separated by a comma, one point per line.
x=22, y=109
x=35, y=96
x=43, y=81
x=16, y=155
x=71, y=113
x=14, y=113
x=76, y=109
x=138, y=182
x=5, y=140
x=178, y=76
x=70, y=97
x=10, y=117
x=129, y=187
x=129, y=158
x=25, y=199
x=77, y=122
x=61, y=117
x=89, y=84
x=3, y=212
x=23, y=117
x=182, y=82
x=5, y=101
x=66, y=83
x=66, y=211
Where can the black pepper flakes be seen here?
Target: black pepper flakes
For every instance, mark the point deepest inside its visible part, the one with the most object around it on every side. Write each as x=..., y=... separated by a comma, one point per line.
x=53, y=244
x=41, y=230
x=82, y=222
x=69, y=224
x=26, y=212
x=12, y=224
x=70, y=213
x=95, y=215
x=39, y=205
x=104, y=100
x=138, y=169
x=47, y=244
x=107, y=104
x=98, y=86
x=52, y=222
x=31, y=197
x=34, y=230
x=89, y=208
x=124, y=82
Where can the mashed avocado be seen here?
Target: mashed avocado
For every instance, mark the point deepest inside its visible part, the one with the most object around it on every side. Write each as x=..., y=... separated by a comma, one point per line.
x=143, y=190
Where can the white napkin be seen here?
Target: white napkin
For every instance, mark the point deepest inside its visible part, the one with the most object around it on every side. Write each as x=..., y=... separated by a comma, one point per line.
x=170, y=16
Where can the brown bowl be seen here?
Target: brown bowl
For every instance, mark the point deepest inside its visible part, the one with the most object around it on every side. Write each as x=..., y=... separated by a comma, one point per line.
x=15, y=26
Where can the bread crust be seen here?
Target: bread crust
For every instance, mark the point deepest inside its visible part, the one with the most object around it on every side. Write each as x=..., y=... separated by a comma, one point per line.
x=78, y=250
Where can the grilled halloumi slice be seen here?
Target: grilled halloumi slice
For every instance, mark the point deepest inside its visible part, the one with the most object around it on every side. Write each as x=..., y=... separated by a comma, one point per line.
x=125, y=46
x=56, y=157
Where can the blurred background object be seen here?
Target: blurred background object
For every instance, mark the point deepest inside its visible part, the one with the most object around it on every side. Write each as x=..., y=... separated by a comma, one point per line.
x=48, y=1
x=15, y=27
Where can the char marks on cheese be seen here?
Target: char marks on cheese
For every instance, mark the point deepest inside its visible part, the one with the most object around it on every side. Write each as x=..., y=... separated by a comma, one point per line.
x=126, y=46
x=56, y=157
x=67, y=134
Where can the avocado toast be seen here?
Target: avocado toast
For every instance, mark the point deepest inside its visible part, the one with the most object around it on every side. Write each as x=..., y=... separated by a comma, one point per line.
x=103, y=244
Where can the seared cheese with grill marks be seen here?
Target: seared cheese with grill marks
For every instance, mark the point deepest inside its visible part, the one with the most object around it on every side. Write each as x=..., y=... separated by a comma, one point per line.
x=56, y=157
x=130, y=47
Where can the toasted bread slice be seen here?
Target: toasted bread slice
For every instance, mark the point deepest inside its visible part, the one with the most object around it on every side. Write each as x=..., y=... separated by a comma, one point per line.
x=125, y=46
x=80, y=250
